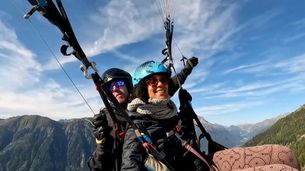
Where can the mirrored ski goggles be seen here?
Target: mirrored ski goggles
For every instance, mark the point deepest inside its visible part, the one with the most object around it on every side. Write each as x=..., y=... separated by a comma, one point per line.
x=153, y=81
x=117, y=84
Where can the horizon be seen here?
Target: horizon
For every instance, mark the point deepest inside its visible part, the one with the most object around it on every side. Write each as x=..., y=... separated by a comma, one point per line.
x=251, y=55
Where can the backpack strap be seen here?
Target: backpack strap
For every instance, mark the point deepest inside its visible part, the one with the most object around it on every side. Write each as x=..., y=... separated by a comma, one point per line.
x=186, y=107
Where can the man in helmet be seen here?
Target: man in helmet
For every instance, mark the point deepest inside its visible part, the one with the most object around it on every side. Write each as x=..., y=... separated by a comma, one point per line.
x=109, y=135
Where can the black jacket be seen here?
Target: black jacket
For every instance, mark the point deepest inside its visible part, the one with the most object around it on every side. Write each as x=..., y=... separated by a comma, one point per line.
x=107, y=156
x=134, y=154
x=177, y=156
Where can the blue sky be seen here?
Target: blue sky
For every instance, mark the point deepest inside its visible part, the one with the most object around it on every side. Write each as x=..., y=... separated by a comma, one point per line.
x=251, y=55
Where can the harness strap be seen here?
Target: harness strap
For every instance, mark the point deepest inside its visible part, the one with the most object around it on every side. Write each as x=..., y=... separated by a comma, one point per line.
x=119, y=131
x=177, y=131
x=192, y=150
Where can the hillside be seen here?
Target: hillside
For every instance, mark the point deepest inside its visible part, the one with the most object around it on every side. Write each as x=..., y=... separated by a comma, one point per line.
x=39, y=143
x=289, y=131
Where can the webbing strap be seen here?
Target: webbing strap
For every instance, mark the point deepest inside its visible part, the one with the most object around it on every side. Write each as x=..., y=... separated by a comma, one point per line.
x=192, y=150
x=185, y=144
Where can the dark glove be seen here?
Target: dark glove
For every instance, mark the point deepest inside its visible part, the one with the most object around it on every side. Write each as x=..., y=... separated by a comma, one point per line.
x=101, y=128
x=192, y=62
x=184, y=96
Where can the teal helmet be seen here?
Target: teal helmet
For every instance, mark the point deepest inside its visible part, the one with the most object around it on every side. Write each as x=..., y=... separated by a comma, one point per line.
x=147, y=69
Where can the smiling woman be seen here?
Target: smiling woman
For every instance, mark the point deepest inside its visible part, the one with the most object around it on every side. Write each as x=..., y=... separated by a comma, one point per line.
x=145, y=78
x=157, y=86
x=153, y=110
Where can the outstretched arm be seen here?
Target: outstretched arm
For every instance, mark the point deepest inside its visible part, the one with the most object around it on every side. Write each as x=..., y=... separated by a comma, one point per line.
x=185, y=72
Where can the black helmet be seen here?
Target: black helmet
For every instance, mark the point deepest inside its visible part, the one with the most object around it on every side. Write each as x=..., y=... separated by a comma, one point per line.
x=118, y=74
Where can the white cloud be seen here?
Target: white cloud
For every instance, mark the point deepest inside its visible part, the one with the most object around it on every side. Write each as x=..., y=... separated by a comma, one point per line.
x=55, y=58
x=51, y=100
x=204, y=27
x=18, y=66
x=121, y=22
x=293, y=64
x=249, y=67
x=300, y=24
x=23, y=91
x=114, y=25
x=226, y=108
x=251, y=90
x=287, y=65
x=128, y=58
x=294, y=37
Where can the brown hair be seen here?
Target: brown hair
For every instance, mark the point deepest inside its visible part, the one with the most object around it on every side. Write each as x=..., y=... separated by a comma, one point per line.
x=140, y=91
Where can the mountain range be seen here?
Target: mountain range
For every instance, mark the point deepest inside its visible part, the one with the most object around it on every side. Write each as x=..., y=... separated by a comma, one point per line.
x=235, y=135
x=32, y=142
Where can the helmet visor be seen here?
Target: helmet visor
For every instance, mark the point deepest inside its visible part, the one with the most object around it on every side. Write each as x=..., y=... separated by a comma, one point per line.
x=117, y=84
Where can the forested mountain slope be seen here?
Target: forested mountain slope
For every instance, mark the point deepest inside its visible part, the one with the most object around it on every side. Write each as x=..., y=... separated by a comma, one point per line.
x=289, y=131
